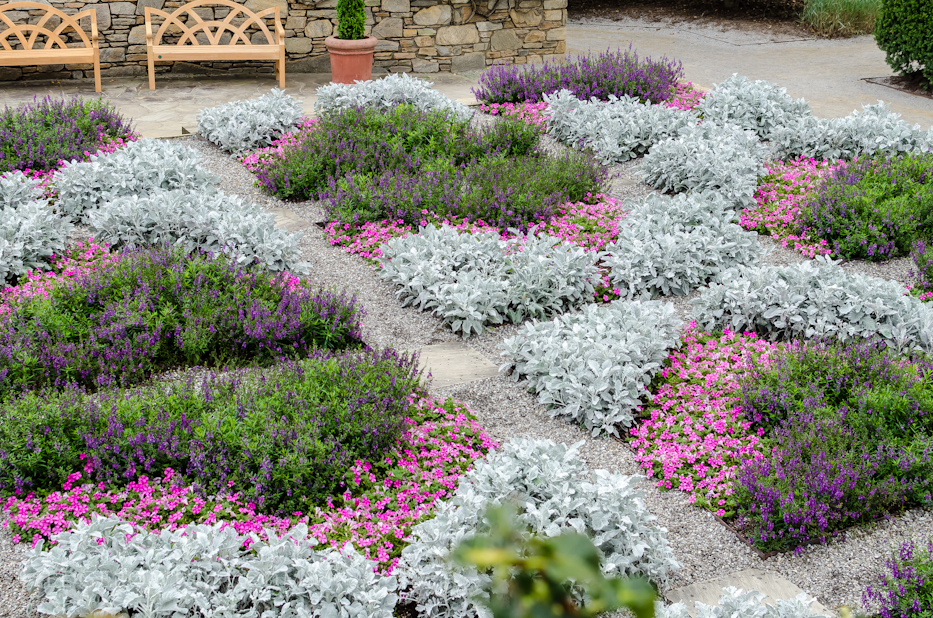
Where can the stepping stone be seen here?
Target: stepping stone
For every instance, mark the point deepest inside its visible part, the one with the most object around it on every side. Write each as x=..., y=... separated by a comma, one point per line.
x=288, y=220
x=455, y=363
x=765, y=582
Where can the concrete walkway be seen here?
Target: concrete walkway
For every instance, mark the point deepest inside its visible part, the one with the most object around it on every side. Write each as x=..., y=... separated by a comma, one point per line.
x=174, y=104
x=830, y=74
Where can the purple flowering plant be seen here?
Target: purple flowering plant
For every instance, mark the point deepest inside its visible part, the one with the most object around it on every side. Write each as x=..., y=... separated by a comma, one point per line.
x=156, y=309
x=382, y=500
x=873, y=209
x=850, y=431
x=284, y=437
x=907, y=590
x=38, y=136
x=619, y=73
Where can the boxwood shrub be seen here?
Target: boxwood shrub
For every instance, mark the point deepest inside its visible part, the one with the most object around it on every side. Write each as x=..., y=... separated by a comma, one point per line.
x=903, y=32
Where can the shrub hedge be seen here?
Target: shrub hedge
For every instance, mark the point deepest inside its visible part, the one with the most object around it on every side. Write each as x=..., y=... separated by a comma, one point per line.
x=903, y=32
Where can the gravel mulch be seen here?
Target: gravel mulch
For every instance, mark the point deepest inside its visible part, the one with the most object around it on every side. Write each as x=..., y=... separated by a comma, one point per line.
x=836, y=573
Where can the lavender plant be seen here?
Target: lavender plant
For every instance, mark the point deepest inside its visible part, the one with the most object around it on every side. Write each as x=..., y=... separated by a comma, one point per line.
x=619, y=73
x=921, y=278
x=907, y=591
x=160, y=308
x=284, y=438
x=852, y=434
x=873, y=209
x=40, y=134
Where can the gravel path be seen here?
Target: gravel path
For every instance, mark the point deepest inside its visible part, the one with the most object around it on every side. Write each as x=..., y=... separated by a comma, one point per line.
x=835, y=574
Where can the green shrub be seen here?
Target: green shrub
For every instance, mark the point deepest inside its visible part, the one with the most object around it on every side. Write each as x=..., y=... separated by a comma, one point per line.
x=285, y=437
x=351, y=19
x=905, y=32
x=841, y=17
x=873, y=209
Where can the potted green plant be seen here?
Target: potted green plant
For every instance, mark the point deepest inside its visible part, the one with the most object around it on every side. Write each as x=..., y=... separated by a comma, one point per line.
x=351, y=51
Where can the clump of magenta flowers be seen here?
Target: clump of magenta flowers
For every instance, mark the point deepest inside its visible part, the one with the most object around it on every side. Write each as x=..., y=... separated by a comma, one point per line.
x=38, y=136
x=907, y=591
x=618, y=73
x=155, y=309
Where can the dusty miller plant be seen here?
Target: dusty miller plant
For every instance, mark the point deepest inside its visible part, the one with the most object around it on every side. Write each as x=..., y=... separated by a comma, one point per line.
x=475, y=280
x=595, y=366
x=722, y=158
x=554, y=493
x=815, y=299
x=246, y=125
x=144, y=166
x=670, y=246
x=17, y=189
x=387, y=92
x=29, y=235
x=756, y=105
x=213, y=222
x=874, y=130
x=204, y=572
x=736, y=603
x=616, y=130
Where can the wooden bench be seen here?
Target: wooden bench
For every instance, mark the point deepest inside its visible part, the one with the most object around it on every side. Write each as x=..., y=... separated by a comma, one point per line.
x=55, y=50
x=201, y=40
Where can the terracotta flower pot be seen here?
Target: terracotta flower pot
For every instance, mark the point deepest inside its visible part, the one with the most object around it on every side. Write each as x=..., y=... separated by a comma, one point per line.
x=351, y=59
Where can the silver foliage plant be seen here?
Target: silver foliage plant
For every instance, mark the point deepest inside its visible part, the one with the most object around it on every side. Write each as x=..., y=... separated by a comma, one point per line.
x=142, y=167
x=815, y=299
x=206, y=221
x=246, y=125
x=756, y=105
x=736, y=603
x=17, y=189
x=203, y=571
x=387, y=92
x=554, y=493
x=708, y=157
x=670, y=246
x=475, y=280
x=595, y=366
x=616, y=130
x=874, y=130
x=29, y=235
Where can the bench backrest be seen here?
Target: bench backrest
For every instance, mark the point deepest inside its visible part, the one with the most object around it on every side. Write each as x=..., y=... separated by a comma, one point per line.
x=195, y=25
x=28, y=34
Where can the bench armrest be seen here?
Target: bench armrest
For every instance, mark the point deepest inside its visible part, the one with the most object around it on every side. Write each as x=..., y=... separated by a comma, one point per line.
x=279, y=30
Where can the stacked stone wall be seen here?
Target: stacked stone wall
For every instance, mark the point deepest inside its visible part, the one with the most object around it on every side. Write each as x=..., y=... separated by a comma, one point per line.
x=419, y=36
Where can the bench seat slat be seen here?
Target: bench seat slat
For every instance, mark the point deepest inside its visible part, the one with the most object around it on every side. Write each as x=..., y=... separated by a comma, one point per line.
x=25, y=57
x=215, y=52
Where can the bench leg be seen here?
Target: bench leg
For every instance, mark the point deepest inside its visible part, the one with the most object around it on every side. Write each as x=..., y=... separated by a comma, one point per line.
x=151, y=71
x=96, y=73
x=281, y=68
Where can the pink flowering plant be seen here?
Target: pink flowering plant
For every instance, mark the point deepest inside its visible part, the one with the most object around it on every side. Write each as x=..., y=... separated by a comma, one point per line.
x=375, y=512
x=591, y=223
x=685, y=97
x=257, y=160
x=780, y=199
x=694, y=437
x=528, y=112
x=81, y=259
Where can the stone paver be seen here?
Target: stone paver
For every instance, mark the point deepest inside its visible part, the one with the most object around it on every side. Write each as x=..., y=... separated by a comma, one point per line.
x=174, y=105
x=770, y=584
x=455, y=363
x=830, y=74
x=289, y=220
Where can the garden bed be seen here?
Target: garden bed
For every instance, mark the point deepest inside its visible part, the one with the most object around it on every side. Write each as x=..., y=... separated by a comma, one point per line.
x=836, y=572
